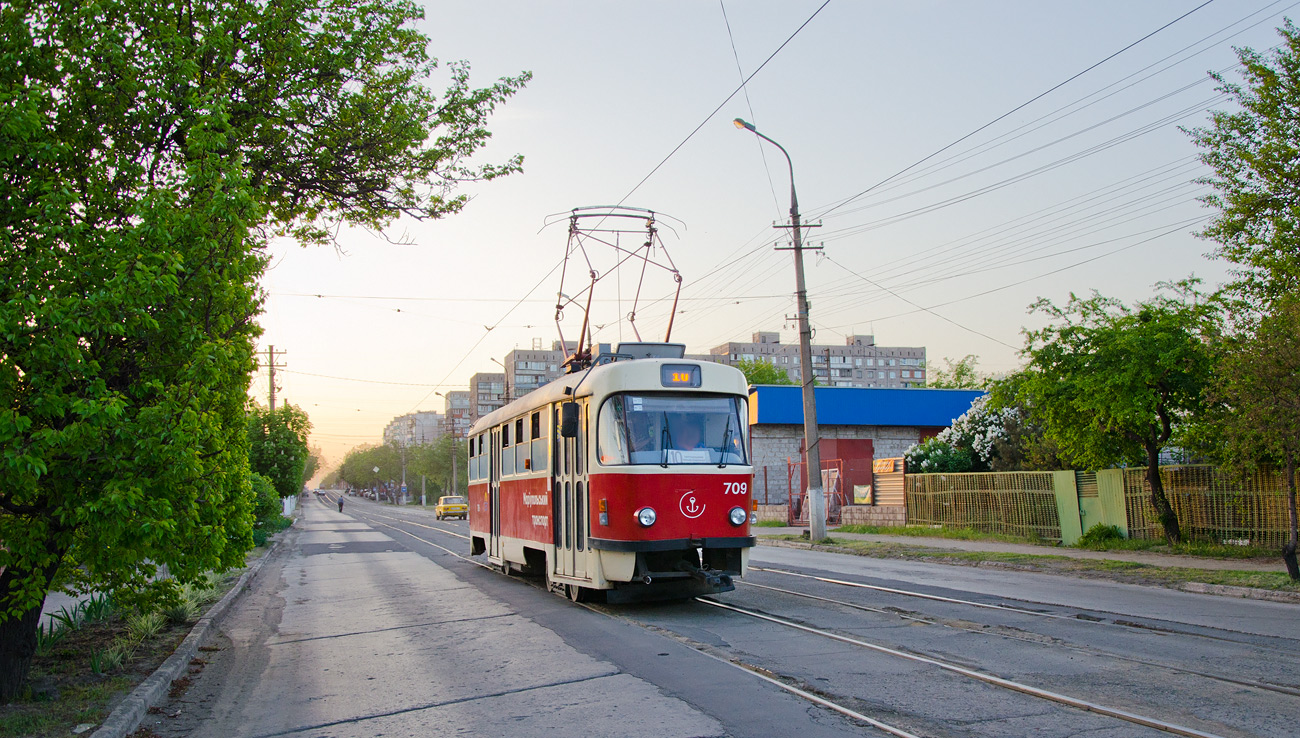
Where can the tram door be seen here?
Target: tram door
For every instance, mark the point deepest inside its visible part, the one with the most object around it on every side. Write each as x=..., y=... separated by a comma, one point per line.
x=494, y=494
x=569, y=498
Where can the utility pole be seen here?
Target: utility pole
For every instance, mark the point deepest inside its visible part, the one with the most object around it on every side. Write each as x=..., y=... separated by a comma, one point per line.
x=271, y=366
x=812, y=446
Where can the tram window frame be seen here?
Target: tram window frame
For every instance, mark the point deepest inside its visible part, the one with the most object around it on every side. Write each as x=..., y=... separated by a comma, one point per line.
x=536, y=422
x=579, y=525
x=568, y=529
x=614, y=443
x=578, y=443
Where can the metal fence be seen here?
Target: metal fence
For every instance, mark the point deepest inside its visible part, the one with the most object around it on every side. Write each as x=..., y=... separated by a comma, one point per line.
x=1013, y=503
x=1211, y=505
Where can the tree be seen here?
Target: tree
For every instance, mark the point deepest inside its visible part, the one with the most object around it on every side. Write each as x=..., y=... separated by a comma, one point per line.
x=1112, y=384
x=277, y=446
x=315, y=458
x=1256, y=398
x=1255, y=156
x=149, y=150
x=961, y=374
x=757, y=371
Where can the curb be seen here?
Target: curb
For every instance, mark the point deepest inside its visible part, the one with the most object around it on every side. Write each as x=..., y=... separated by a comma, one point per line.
x=1250, y=593
x=130, y=712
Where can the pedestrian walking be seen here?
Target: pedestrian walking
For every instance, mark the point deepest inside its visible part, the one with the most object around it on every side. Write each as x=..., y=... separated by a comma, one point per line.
x=340, y=503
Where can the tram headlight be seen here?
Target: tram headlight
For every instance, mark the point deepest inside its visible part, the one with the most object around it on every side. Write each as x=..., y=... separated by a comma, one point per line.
x=738, y=516
x=646, y=516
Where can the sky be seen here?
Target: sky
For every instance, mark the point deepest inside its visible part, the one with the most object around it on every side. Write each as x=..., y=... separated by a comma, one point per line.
x=963, y=160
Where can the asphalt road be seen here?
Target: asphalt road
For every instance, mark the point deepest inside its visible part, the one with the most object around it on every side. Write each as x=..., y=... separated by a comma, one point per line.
x=372, y=622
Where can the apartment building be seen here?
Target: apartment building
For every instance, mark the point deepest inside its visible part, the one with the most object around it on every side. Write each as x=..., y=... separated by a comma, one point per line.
x=858, y=363
x=415, y=429
x=456, y=413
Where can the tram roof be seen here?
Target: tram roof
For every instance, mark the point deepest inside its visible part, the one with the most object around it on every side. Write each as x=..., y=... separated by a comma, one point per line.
x=920, y=407
x=603, y=378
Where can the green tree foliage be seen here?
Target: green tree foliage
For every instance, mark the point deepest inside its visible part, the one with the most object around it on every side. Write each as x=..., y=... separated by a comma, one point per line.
x=1023, y=444
x=435, y=462
x=315, y=457
x=757, y=371
x=148, y=151
x=1255, y=155
x=1112, y=384
x=961, y=374
x=267, y=503
x=277, y=446
x=1255, y=410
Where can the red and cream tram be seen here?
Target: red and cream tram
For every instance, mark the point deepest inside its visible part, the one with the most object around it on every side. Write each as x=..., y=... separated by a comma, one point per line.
x=630, y=479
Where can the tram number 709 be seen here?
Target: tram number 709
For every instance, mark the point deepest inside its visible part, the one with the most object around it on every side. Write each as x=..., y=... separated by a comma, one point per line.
x=735, y=488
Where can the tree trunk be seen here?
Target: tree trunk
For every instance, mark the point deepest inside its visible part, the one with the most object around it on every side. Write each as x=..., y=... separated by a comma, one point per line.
x=1164, y=511
x=1288, y=551
x=17, y=636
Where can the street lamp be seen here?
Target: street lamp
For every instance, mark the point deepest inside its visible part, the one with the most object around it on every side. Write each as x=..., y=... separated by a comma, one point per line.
x=816, y=496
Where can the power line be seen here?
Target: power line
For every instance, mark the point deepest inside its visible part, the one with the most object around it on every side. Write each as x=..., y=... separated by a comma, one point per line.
x=709, y=117
x=1015, y=109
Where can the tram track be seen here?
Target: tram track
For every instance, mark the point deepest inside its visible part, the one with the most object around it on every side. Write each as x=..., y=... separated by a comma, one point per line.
x=845, y=705
x=751, y=670
x=1004, y=633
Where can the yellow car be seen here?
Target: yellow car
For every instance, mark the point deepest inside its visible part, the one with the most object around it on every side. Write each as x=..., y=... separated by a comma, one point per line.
x=451, y=507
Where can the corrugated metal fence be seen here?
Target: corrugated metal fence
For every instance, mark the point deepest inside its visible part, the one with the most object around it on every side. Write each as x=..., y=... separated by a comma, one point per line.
x=1210, y=505
x=1013, y=503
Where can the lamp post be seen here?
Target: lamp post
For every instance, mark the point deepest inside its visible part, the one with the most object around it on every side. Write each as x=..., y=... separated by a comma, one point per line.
x=816, y=496
x=455, y=439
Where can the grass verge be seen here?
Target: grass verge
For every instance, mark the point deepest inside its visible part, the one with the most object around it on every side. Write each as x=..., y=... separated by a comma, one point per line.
x=1118, y=571
x=81, y=675
x=959, y=534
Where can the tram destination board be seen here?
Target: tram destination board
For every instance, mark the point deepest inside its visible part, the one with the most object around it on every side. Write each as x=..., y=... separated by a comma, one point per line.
x=680, y=375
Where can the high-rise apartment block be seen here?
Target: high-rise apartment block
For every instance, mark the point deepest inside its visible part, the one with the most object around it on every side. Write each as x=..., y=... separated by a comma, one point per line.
x=487, y=392
x=858, y=363
x=457, y=417
x=414, y=429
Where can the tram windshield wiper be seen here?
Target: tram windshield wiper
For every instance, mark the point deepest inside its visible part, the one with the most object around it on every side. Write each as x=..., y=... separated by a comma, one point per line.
x=726, y=441
x=665, y=441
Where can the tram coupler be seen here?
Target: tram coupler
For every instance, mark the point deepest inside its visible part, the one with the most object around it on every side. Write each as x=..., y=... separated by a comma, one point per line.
x=715, y=580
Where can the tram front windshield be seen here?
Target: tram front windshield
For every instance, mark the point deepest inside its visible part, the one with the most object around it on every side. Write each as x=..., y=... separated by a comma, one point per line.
x=672, y=430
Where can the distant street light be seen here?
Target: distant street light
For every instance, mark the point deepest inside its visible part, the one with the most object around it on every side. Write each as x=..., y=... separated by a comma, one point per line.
x=816, y=496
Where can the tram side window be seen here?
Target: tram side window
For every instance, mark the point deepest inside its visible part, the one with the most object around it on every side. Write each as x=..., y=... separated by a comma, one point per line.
x=539, y=444
x=507, y=455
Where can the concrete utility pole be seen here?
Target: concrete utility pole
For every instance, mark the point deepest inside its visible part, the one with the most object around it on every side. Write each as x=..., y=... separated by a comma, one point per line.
x=270, y=362
x=812, y=449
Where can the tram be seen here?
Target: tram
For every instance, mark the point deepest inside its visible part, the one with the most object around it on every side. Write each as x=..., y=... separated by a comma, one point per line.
x=628, y=480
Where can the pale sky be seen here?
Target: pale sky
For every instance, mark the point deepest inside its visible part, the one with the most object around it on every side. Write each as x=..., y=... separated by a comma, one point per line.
x=1087, y=187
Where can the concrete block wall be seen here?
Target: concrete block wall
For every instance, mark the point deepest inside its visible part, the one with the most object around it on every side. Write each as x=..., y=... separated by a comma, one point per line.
x=774, y=444
x=892, y=515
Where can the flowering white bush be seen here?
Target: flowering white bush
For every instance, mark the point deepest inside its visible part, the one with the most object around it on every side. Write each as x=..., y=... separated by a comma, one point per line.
x=969, y=444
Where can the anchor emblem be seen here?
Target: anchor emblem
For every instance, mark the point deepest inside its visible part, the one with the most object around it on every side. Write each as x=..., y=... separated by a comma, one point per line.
x=689, y=507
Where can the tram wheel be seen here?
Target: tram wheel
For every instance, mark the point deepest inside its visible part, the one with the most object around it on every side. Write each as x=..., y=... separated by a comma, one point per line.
x=575, y=593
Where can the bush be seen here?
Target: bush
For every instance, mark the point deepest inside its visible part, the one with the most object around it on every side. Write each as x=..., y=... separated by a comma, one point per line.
x=1100, y=535
x=938, y=456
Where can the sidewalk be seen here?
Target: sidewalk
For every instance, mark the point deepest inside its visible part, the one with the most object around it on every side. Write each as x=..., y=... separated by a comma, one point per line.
x=1136, y=557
